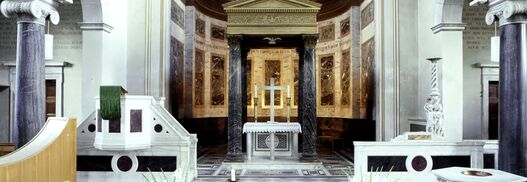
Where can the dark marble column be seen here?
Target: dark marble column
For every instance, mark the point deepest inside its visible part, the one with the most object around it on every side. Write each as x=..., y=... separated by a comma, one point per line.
x=244, y=52
x=30, y=82
x=513, y=99
x=236, y=104
x=307, y=106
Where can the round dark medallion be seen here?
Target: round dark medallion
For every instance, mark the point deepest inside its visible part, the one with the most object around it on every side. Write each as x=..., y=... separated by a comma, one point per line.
x=91, y=128
x=124, y=163
x=158, y=128
x=419, y=163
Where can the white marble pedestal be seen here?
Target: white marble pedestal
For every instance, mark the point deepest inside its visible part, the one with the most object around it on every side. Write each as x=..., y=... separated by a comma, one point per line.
x=289, y=130
x=463, y=174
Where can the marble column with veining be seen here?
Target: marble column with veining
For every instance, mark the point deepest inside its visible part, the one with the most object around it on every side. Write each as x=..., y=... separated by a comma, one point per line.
x=307, y=108
x=30, y=87
x=512, y=15
x=236, y=104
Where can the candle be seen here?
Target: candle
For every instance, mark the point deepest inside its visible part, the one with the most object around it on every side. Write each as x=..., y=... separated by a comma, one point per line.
x=288, y=92
x=255, y=91
x=233, y=175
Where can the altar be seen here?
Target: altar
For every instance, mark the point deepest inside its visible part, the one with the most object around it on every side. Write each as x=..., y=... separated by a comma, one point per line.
x=272, y=139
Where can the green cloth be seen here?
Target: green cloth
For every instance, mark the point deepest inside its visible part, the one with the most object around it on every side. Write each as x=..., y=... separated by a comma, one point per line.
x=110, y=102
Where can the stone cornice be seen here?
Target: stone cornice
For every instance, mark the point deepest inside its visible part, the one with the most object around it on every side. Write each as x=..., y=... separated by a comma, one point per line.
x=35, y=11
x=448, y=27
x=507, y=12
x=95, y=26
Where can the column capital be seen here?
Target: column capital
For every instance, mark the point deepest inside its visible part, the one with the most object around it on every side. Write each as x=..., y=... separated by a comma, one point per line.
x=33, y=11
x=310, y=40
x=234, y=39
x=506, y=11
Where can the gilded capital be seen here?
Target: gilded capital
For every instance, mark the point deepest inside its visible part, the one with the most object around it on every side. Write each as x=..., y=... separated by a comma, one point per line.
x=507, y=11
x=34, y=11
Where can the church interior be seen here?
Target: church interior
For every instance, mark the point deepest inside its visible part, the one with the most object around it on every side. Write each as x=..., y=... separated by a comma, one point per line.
x=263, y=90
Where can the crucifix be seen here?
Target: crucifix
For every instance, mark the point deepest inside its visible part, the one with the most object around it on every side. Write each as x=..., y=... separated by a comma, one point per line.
x=272, y=88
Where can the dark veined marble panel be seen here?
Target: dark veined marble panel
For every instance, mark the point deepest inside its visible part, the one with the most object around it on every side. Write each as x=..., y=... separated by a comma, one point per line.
x=367, y=61
x=345, y=78
x=136, y=120
x=176, y=75
x=199, y=77
x=250, y=86
x=345, y=27
x=200, y=27
x=296, y=81
x=327, y=80
x=327, y=33
x=217, y=32
x=272, y=70
x=177, y=14
x=367, y=15
x=217, y=80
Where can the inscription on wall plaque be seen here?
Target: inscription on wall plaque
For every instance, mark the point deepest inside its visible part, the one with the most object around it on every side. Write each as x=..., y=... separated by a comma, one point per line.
x=217, y=80
x=477, y=34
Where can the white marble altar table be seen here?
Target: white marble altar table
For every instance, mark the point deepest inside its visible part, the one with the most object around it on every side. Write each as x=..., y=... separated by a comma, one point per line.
x=271, y=127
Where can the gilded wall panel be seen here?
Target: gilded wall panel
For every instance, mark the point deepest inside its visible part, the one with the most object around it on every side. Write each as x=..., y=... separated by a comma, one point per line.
x=217, y=80
x=367, y=85
x=250, y=88
x=273, y=69
x=345, y=78
x=296, y=82
x=199, y=77
x=327, y=80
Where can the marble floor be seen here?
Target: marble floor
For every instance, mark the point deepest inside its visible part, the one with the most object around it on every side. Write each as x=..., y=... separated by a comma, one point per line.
x=332, y=166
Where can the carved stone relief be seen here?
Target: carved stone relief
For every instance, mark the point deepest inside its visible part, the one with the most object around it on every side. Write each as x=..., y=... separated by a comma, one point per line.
x=177, y=14
x=367, y=15
x=367, y=87
x=200, y=27
x=345, y=27
x=327, y=33
x=217, y=80
x=345, y=78
x=199, y=77
x=327, y=80
x=217, y=32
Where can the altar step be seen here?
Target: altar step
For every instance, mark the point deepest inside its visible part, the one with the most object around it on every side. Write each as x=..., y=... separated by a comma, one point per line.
x=280, y=162
x=297, y=179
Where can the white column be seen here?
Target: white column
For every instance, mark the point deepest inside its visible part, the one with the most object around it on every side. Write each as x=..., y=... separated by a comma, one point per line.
x=451, y=73
x=272, y=145
x=249, y=146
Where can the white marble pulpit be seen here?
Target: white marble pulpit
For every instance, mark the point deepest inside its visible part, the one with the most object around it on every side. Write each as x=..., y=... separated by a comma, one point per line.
x=264, y=138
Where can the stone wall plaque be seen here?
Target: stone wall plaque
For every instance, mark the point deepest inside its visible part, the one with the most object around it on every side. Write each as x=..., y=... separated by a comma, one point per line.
x=327, y=80
x=367, y=15
x=345, y=78
x=199, y=77
x=217, y=80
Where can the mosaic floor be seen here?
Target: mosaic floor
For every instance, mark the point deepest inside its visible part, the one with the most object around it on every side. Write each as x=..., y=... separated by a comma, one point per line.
x=333, y=167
